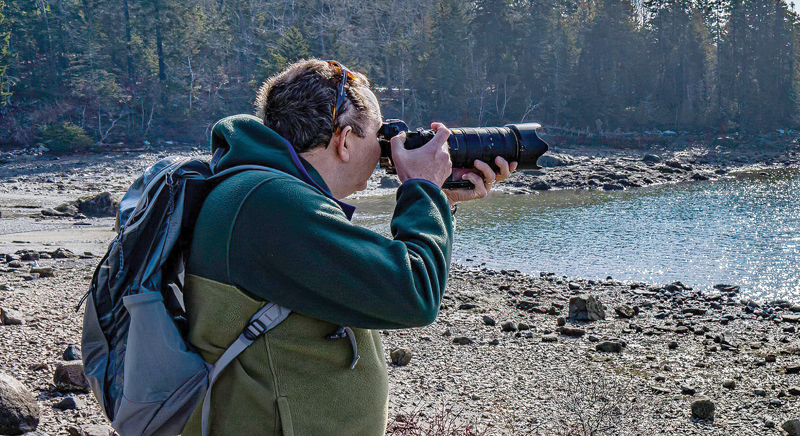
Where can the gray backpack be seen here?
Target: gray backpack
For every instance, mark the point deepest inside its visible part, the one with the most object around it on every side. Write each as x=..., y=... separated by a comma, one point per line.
x=143, y=372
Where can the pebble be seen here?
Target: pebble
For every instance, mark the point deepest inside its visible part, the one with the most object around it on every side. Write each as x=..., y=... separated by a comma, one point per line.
x=672, y=345
x=550, y=338
x=625, y=312
x=794, y=390
x=489, y=321
x=729, y=384
x=561, y=321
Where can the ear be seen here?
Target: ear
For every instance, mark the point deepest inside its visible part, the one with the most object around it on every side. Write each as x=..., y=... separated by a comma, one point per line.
x=340, y=142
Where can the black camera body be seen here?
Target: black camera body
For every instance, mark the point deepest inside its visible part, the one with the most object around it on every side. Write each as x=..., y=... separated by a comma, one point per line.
x=514, y=142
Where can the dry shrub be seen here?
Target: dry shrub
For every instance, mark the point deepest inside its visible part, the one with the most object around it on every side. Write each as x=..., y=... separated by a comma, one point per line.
x=597, y=404
x=443, y=423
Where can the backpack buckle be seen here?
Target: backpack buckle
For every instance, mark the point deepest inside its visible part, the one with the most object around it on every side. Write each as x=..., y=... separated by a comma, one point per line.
x=255, y=329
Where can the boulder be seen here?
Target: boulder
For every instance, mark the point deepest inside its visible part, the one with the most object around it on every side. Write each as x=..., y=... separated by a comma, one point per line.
x=586, y=309
x=19, y=412
x=63, y=253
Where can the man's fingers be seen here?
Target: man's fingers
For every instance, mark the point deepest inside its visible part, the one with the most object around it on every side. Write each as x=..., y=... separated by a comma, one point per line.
x=488, y=173
x=480, y=190
x=504, y=168
x=513, y=166
x=442, y=133
x=398, y=140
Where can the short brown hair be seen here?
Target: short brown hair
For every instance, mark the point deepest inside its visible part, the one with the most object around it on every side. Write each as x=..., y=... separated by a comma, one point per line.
x=298, y=103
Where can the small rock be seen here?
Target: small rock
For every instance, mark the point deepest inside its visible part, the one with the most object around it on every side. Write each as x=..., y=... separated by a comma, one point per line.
x=522, y=326
x=550, y=338
x=703, y=409
x=775, y=402
x=70, y=377
x=791, y=427
x=73, y=352
x=63, y=253
x=508, y=326
x=729, y=384
x=625, y=312
x=11, y=317
x=43, y=271
x=467, y=306
x=400, y=356
x=794, y=390
x=561, y=321
x=15, y=264
x=574, y=286
x=91, y=430
x=19, y=412
x=609, y=347
x=572, y=332
x=794, y=369
x=770, y=358
x=672, y=345
x=688, y=390
x=759, y=392
x=489, y=321
x=682, y=330
x=494, y=342
x=100, y=205
x=70, y=403
x=462, y=340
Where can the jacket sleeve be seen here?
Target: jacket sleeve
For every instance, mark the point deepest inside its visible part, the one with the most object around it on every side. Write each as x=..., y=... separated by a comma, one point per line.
x=295, y=247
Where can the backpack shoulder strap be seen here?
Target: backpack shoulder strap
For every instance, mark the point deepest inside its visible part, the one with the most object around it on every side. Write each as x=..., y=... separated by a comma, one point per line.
x=263, y=321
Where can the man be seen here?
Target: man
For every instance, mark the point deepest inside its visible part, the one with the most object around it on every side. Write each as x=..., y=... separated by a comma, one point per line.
x=285, y=237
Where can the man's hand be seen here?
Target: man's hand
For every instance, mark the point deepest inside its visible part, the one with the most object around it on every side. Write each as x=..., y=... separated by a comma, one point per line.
x=482, y=176
x=430, y=162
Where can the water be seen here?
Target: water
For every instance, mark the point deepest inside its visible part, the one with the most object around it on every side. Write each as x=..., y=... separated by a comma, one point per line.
x=743, y=231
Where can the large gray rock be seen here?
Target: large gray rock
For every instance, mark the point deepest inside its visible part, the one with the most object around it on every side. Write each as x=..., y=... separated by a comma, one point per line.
x=70, y=377
x=552, y=160
x=586, y=309
x=11, y=317
x=100, y=205
x=19, y=412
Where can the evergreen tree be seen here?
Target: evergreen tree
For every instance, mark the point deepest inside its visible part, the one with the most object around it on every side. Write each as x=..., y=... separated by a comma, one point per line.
x=5, y=58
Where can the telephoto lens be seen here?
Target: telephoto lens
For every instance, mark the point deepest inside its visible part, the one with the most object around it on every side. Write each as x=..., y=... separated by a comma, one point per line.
x=513, y=142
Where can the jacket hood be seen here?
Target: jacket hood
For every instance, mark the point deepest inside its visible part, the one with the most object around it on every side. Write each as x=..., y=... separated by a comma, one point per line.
x=245, y=140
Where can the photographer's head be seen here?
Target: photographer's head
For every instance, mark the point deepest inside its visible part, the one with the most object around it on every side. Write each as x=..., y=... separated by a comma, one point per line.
x=299, y=103
x=330, y=117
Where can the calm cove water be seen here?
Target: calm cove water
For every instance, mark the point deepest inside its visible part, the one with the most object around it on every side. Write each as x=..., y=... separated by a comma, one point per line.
x=743, y=231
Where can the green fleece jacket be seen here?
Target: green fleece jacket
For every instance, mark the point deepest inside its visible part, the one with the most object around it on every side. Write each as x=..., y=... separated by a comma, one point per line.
x=279, y=236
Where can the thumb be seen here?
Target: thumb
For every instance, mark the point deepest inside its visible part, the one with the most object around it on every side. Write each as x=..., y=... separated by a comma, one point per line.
x=397, y=143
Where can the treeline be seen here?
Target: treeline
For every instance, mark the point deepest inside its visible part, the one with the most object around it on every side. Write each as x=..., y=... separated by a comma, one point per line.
x=101, y=71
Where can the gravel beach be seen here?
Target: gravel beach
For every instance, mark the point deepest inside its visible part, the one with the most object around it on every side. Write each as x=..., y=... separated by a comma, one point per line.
x=510, y=353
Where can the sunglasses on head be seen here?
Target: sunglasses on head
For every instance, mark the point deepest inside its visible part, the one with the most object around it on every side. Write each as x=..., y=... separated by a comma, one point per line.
x=340, y=92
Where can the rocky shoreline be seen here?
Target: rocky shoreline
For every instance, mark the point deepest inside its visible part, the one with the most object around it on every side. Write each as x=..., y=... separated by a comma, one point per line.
x=510, y=353
x=505, y=356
